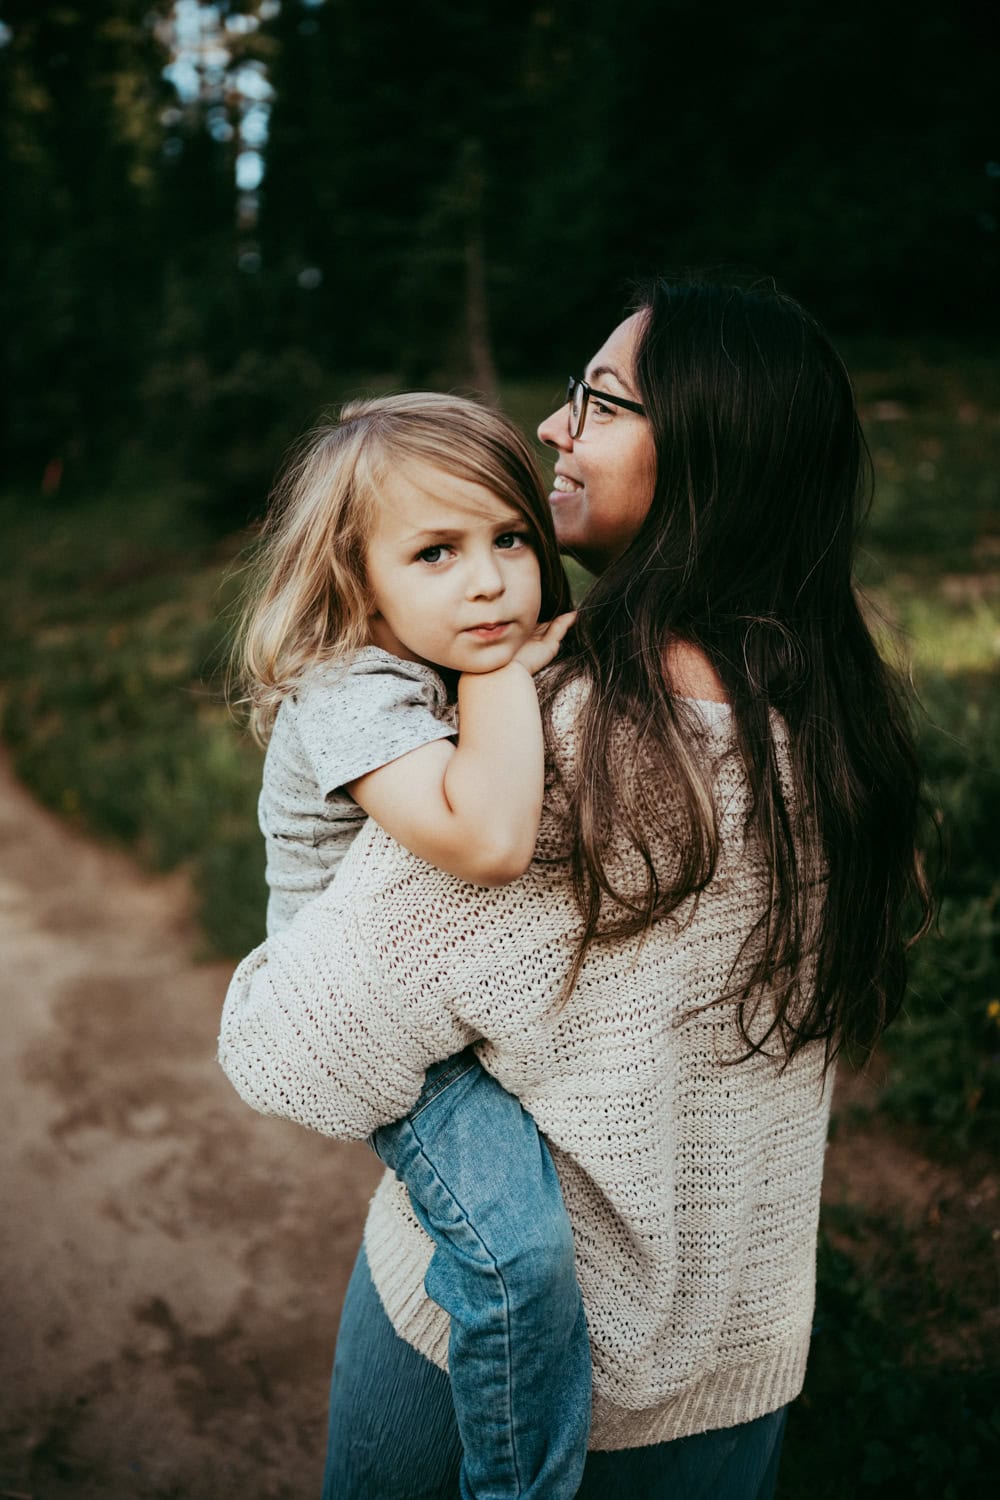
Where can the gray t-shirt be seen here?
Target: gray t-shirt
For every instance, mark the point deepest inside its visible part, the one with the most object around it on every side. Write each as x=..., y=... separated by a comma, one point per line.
x=344, y=720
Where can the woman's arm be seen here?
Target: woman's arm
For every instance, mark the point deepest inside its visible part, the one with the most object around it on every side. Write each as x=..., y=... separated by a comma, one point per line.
x=334, y=1021
x=472, y=809
x=316, y=1027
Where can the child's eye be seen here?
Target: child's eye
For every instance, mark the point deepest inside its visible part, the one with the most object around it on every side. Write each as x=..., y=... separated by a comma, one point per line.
x=432, y=554
x=508, y=540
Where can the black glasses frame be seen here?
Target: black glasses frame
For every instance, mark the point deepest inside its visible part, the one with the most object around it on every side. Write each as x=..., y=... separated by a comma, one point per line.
x=578, y=418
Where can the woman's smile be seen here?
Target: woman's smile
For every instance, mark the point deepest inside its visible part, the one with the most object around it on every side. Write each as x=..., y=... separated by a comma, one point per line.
x=604, y=478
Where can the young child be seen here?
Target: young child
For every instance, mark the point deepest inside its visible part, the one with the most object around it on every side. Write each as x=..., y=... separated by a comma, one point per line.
x=411, y=540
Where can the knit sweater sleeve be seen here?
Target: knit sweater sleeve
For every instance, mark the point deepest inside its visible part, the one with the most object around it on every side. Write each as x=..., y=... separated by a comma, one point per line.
x=333, y=1022
x=316, y=1027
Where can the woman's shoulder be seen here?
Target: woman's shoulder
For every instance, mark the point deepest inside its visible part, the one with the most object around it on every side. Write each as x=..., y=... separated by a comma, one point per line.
x=565, y=701
x=711, y=718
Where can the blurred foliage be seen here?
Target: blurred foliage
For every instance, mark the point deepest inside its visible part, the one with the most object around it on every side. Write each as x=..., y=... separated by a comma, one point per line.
x=79, y=260
x=879, y=1415
x=946, y=1046
x=112, y=660
x=931, y=560
x=450, y=190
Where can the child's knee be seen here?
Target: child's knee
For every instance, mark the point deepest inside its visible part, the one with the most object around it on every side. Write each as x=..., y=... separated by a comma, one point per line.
x=542, y=1267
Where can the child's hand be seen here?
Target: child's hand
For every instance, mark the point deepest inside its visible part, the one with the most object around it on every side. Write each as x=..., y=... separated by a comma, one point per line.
x=543, y=643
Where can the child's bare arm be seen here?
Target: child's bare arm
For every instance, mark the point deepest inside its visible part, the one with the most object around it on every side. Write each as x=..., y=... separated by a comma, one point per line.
x=473, y=808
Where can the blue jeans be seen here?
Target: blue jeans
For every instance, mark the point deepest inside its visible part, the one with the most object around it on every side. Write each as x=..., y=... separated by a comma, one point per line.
x=393, y=1434
x=482, y=1184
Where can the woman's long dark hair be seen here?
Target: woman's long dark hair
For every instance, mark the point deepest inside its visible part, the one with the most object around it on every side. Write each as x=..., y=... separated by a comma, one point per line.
x=762, y=479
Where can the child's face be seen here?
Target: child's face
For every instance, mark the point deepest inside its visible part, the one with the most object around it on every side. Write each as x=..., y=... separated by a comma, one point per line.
x=454, y=578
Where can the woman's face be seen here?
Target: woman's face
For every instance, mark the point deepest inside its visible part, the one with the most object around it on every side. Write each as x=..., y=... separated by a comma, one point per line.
x=604, y=478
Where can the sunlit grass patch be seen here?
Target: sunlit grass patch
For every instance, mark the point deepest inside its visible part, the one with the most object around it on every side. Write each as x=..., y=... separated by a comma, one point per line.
x=951, y=629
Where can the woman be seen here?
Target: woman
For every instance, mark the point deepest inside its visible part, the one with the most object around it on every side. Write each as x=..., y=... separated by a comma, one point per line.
x=715, y=907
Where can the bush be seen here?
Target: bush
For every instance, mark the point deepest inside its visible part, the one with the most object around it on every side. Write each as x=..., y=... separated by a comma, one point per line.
x=227, y=429
x=877, y=1416
x=945, y=1048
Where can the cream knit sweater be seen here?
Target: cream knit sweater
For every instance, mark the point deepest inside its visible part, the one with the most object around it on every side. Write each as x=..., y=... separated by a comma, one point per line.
x=692, y=1182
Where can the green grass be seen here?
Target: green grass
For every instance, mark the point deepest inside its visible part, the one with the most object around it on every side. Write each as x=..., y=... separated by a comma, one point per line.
x=946, y=1045
x=113, y=649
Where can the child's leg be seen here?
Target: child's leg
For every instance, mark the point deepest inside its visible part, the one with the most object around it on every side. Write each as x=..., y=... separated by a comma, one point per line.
x=483, y=1185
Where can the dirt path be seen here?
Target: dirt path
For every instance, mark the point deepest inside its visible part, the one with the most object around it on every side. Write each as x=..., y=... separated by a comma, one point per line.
x=171, y=1265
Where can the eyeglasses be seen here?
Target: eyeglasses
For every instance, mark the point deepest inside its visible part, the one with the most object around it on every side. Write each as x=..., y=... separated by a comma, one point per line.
x=578, y=393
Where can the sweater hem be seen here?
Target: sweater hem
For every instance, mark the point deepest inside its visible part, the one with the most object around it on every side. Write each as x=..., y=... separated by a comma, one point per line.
x=724, y=1397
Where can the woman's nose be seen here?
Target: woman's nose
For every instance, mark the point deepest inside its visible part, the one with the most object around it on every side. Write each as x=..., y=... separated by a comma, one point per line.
x=555, y=429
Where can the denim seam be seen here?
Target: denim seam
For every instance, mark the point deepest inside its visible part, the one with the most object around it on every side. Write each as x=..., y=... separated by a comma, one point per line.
x=506, y=1300
x=442, y=1082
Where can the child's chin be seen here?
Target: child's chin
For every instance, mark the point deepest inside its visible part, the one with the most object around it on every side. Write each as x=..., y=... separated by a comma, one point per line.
x=490, y=658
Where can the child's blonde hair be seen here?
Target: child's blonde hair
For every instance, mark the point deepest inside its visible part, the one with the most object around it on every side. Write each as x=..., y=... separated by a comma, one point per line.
x=309, y=601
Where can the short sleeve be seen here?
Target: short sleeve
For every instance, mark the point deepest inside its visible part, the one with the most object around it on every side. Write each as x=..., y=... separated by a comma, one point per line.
x=353, y=718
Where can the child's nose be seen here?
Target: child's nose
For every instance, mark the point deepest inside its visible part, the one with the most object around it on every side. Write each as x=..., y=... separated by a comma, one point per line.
x=486, y=580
